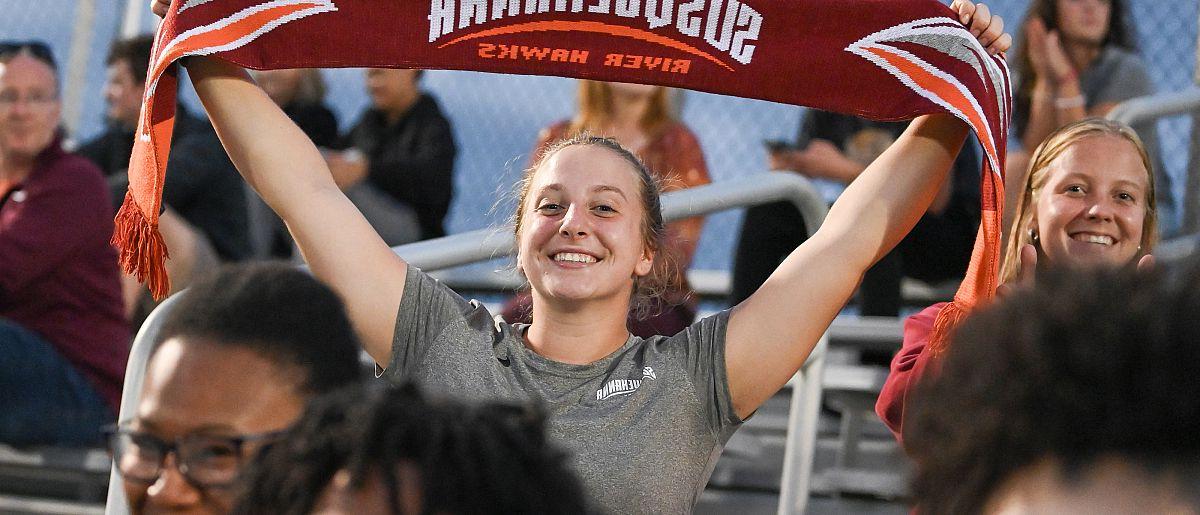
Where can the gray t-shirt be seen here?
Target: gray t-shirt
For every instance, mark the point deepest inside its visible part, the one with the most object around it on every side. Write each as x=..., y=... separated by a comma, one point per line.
x=645, y=425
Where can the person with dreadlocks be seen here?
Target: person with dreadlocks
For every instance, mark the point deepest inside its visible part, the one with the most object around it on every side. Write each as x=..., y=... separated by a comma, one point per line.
x=372, y=449
x=644, y=419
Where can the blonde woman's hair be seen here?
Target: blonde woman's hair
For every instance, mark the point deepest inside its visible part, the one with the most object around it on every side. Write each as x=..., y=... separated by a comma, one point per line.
x=596, y=109
x=1050, y=149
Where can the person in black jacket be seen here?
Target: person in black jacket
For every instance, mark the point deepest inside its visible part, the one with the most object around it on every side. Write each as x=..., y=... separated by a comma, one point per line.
x=205, y=221
x=402, y=159
x=836, y=148
x=300, y=92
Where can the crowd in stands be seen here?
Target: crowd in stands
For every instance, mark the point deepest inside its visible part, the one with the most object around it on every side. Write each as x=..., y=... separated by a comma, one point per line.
x=597, y=389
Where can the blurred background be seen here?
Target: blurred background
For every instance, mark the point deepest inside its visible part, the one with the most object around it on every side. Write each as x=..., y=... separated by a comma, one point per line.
x=496, y=118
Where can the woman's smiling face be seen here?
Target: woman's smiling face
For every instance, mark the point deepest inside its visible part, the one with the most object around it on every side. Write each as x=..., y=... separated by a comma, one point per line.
x=1092, y=207
x=582, y=232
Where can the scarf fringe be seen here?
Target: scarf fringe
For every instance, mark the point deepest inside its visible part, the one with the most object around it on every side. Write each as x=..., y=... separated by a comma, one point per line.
x=141, y=250
x=947, y=320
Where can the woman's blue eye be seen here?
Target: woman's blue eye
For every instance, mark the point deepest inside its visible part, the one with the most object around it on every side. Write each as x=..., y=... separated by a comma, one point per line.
x=549, y=207
x=605, y=209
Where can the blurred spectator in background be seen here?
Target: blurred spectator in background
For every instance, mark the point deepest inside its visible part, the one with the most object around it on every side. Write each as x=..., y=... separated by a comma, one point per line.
x=834, y=149
x=1080, y=395
x=301, y=95
x=640, y=118
x=401, y=167
x=1075, y=59
x=380, y=450
x=63, y=335
x=233, y=365
x=205, y=221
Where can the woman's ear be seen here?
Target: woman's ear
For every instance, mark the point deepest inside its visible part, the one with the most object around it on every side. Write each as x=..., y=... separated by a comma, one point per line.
x=645, y=264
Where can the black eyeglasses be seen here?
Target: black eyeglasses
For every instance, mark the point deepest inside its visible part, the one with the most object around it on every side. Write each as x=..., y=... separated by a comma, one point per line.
x=39, y=50
x=205, y=461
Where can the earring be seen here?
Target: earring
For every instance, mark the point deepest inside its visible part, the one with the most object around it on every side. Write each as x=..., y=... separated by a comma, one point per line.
x=1033, y=236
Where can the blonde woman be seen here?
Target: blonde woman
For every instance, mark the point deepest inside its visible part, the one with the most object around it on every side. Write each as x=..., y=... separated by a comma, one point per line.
x=1088, y=200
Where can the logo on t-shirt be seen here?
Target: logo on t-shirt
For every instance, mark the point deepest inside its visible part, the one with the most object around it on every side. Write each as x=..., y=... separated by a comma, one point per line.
x=618, y=387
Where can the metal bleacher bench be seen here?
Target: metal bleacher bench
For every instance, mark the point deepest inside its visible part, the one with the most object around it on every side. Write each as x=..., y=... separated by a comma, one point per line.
x=52, y=479
x=851, y=389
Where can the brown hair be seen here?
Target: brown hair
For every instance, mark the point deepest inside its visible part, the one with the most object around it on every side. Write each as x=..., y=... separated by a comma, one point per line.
x=311, y=87
x=136, y=51
x=1119, y=34
x=662, y=273
x=596, y=108
x=1054, y=146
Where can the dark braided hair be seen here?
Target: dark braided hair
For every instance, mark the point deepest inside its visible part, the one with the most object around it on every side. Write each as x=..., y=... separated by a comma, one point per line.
x=486, y=458
x=1087, y=365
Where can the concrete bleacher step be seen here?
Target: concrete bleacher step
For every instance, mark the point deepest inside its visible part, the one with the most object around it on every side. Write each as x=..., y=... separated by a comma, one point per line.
x=880, y=484
x=869, y=462
x=54, y=473
x=13, y=505
x=761, y=470
x=723, y=502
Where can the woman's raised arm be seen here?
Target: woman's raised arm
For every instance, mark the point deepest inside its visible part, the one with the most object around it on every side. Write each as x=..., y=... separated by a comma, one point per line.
x=288, y=171
x=771, y=334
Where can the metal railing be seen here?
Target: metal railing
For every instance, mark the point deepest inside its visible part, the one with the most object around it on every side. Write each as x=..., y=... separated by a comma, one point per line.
x=482, y=245
x=1153, y=107
x=485, y=244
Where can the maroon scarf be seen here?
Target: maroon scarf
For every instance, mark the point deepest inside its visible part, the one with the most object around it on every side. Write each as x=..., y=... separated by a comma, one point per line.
x=879, y=59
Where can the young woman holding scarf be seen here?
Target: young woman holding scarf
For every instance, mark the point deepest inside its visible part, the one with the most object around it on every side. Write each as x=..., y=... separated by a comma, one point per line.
x=644, y=419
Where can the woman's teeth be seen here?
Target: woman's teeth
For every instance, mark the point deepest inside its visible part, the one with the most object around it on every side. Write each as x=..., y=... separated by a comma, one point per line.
x=1093, y=238
x=574, y=257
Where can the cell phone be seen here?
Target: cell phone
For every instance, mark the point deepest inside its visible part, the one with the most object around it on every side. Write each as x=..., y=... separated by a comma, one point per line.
x=777, y=145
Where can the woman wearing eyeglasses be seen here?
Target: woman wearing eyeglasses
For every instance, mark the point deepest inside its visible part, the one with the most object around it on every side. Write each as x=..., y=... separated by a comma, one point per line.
x=223, y=380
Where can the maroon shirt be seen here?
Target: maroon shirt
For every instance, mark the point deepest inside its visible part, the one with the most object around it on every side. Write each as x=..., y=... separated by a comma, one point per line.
x=908, y=368
x=58, y=272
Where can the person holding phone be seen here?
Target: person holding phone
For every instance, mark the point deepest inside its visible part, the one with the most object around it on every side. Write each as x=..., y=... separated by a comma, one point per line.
x=833, y=150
